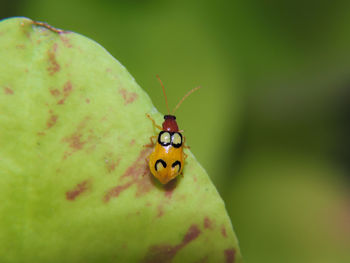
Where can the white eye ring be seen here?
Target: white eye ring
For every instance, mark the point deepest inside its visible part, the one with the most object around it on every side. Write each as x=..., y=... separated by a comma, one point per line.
x=176, y=139
x=164, y=138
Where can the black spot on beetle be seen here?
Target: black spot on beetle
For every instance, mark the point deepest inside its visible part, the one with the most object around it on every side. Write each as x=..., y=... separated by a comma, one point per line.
x=176, y=163
x=160, y=161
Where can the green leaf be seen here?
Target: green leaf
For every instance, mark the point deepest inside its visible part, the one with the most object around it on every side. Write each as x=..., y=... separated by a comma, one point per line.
x=75, y=185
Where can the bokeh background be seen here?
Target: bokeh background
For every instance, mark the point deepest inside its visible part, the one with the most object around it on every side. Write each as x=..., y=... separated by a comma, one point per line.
x=271, y=124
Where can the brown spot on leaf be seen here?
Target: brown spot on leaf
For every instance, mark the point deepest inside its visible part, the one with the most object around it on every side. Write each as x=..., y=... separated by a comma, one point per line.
x=115, y=192
x=136, y=174
x=203, y=260
x=66, y=90
x=77, y=140
x=55, y=92
x=8, y=91
x=160, y=210
x=52, y=120
x=40, y=133
x=229, y=255
x=132, y=142
x=66, y=41
x=169, y=188
x=223, y=232
x=110, y=163
x=208, y=224
x=20, y=46
x=87, y=101
x=71, y=195
x=165, y=253
x=53, y=64
x=128, y=97
x=24, y=30
x=192, y=233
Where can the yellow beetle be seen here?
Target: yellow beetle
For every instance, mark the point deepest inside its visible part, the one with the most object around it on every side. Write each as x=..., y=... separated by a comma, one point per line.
x=166, y=161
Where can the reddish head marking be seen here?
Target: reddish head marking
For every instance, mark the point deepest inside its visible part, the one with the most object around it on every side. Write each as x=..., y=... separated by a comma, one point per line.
x=170, y=124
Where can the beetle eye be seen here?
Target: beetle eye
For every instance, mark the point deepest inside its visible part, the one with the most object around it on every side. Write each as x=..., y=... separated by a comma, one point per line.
x=164, y=138
x=177, y=140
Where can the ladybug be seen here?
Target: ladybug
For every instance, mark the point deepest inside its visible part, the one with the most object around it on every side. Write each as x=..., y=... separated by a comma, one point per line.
x=167, y=160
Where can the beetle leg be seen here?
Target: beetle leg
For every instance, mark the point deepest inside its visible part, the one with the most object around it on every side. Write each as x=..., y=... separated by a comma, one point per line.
x=152, y=142
x=154, y=122
x=186, y=146
x=185, y=156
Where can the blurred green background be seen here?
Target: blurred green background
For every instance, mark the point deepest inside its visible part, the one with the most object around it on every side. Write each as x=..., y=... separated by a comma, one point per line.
x=271, y=124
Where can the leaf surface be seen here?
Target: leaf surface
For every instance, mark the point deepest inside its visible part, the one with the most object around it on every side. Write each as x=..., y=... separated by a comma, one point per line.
x=74, y=181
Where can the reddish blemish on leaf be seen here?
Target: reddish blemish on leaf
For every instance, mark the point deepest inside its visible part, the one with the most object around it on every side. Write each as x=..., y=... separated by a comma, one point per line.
x=53, y=64
x=137, y=174
x=67, y=89
x=66, y=41
x=21, y=46
x=71, y=195
x=202, y=260
x=192, y=233
x=128, y=97
x=8, y=91
x=40, y=133
x=208, y=224
x=160, y=211
x=52, y=120
x=166, y=253
x=112, y=164
x=75, y=140
x=169, y=188
x=87, y=101
x=24, y=30
x=115, y=192
x=229, y=255
x=132, y=142
x=223, y=232
x=55, y=92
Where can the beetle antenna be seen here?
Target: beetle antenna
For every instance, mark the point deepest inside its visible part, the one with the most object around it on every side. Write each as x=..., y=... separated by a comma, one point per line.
x=184, y=97
x=166, y=100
